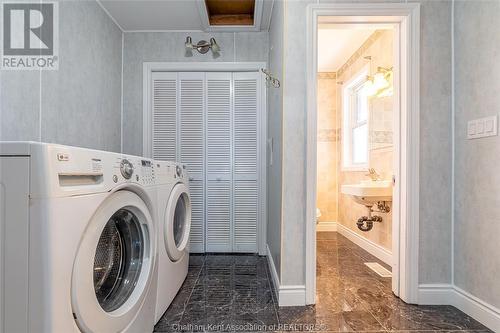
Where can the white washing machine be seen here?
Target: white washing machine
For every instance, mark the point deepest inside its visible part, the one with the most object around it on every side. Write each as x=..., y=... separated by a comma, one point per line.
x=174, y=216
x=78, y=240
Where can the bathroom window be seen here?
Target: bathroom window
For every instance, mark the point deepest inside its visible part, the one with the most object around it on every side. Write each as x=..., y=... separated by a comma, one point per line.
x=355, y=125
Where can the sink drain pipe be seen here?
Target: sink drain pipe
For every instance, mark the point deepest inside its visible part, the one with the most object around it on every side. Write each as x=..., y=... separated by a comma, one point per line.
x=365, y=223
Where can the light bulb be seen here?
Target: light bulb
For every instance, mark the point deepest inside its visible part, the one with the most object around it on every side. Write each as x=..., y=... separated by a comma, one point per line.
x=215, y=48
x=189, y=47
x=370, y=87
x=213, y=44
x=380, y=81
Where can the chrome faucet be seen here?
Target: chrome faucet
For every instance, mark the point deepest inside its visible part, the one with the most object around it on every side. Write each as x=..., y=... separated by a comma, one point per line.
x=374, y=176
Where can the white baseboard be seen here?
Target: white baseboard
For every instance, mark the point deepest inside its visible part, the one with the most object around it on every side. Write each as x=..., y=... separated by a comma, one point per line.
x=326, y=226
x=274, y=273
x=447, y=294
x=435, y=294
x=378, y=251
x=292, y=295
x=287, y=295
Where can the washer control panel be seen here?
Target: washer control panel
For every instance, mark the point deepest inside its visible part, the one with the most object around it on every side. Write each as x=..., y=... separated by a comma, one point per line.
x=126, y=169
x=78, y=171
x=167, y=172
x=136, y=170
x=147, y=172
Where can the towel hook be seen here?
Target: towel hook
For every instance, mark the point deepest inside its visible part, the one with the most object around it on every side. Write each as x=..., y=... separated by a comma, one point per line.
x=270, y=79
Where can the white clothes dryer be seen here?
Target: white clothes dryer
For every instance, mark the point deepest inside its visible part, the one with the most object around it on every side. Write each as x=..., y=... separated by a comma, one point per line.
x=174, y=212
x=79, y=240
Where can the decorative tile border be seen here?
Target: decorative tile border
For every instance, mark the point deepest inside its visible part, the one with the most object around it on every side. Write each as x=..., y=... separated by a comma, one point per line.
x=327, y=75
x=329, y=135
x=334, y=135
x=360, y=52
x=381, y=137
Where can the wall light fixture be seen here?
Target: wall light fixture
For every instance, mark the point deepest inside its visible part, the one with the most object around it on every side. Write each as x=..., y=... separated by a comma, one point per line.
x=202, y=47
x=379, y=84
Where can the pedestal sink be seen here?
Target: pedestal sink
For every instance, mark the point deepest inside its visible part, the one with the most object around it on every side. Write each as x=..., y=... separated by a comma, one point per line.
x=369, y=192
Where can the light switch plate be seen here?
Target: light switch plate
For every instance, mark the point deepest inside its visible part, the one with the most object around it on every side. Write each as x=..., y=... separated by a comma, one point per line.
x=471, y=128
x=482, y=127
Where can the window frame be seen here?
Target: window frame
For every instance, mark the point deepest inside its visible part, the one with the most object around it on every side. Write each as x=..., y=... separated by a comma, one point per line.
x=350, y=121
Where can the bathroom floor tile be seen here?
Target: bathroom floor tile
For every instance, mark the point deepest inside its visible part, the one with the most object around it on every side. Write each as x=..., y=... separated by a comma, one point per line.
x=234, y=293
x=326, y=235
x=326, y=246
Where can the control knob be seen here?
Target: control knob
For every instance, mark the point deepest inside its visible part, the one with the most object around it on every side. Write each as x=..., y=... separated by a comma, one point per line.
x=126, y=168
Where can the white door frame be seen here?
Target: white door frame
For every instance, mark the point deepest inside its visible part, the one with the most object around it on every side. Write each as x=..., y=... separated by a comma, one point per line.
x=149, y=68
x=406, y=19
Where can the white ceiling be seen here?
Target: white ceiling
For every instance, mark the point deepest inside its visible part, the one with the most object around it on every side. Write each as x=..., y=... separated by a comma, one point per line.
x=158, y=15
x=336, y=45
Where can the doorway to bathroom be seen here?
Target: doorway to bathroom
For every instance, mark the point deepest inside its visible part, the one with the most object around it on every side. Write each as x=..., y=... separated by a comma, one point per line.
x=355, y=163
x=362, y=149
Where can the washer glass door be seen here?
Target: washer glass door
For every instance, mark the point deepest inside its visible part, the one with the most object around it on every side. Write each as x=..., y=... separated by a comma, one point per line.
x=118, y=260
x=113, y=268
x=177, y=222
x=180, y=220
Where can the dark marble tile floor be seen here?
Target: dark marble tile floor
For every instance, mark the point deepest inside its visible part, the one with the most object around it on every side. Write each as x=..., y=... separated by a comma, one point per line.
x=233, y=293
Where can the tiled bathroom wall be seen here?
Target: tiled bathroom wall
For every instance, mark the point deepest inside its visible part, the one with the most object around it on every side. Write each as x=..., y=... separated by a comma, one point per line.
x=380, y=47
x=328, y=138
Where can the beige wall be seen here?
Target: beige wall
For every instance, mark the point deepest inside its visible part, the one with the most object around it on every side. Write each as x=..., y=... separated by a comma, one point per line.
x=328, y=135
x=380, y=47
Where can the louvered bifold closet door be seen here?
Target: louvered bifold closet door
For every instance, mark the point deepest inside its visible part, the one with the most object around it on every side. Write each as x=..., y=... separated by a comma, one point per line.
x=192, y=138
x=164, y=118
x=246, y=161
x=218, y=163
